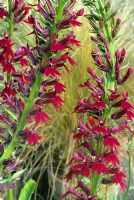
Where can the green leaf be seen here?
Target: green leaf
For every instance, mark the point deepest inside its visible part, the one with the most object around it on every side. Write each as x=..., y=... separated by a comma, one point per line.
x=27, y=190
x=11, y=114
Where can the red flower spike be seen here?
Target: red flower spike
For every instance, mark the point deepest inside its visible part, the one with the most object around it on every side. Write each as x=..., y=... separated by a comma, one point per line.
x=127, y=75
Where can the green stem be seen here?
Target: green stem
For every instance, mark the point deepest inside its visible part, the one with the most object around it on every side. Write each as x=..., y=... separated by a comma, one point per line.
x=60, y=11
x=10, y=28
x=10, y=194
x=11, y=18
x=109, y=84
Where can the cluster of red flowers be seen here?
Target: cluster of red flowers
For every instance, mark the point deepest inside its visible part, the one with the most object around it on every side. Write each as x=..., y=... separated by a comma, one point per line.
x=35, y=73
x=98, y=151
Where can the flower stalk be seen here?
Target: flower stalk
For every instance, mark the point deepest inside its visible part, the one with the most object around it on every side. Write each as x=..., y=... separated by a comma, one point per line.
x=105, y=114
x=37, y=82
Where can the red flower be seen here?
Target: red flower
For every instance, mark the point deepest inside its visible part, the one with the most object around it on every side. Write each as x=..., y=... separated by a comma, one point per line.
x=42, y=116
x=32, y=137
x=8, y=90
x=51, y=71
x=92, y=73
x=8, y=67
x=57, y=101
x=111, y=142
x=112, y=158
x=59, y=87
x=127, y=75
x=118, y=179
x=71, y=61
x=100, y=129
x=99, y=168
x=81, y=169
x=74, y=42
x=91, y=121
x=24, y=62
x=99, y=105
x=58, y=47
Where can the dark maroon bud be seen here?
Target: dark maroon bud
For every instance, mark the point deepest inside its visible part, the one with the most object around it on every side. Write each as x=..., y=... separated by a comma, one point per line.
x=117, y=70
x=117, y=54
x=119, y=114
x=94, y=39
x=114, y=32
x=98, y=60
x=108, y=57
x=100, y=36
x=125, y=78
x=123, y=54
x=107, y=181
x=88, y=147
x=84, y=188
x=104, y=68
x=118, y=22
x=90, y=71
x=80, y=12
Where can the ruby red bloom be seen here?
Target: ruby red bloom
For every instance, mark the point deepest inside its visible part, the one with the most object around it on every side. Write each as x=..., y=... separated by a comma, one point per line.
x=111, y=142
x=32, y=137
x=118, y=179
x=41, y=117
x=99, y=168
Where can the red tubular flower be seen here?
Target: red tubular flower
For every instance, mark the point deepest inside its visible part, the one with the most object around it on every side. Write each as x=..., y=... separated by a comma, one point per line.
x=99, y=168
x=32, y=137
x=41, y=116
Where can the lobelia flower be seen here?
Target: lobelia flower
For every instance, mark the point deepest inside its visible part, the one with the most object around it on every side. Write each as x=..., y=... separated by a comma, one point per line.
x=97, y=155
x=35, y=76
